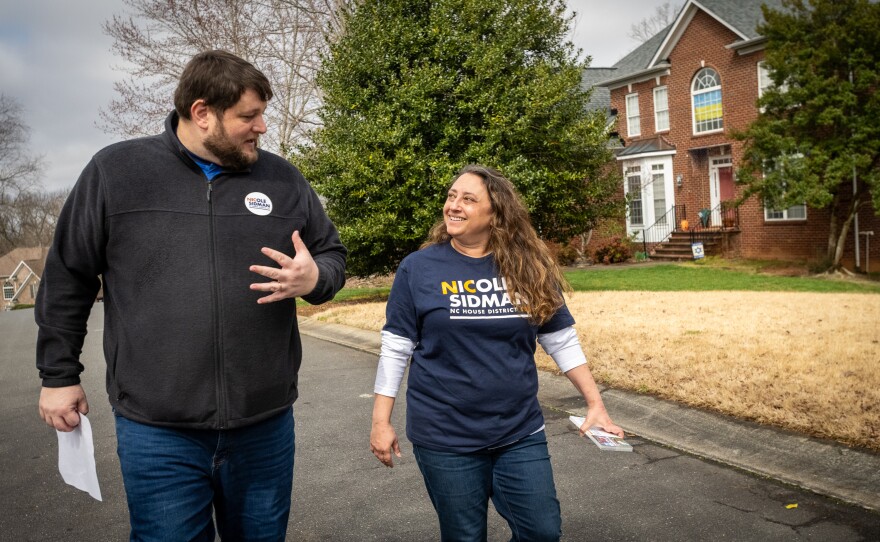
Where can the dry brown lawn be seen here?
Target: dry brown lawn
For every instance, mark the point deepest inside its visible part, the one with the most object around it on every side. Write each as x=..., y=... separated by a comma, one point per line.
x=805, y=362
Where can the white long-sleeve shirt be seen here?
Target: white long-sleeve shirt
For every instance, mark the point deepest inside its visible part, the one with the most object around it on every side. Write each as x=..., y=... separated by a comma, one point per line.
x=563, y=346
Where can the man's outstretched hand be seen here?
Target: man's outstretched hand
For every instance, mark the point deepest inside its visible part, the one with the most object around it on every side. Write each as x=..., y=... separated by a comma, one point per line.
x=296, y=277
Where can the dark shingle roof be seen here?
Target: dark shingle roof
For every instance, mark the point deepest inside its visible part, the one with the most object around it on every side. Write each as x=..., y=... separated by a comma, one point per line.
x=601, y=96
x=742, y=15
x=640, y=58
x=654, y=144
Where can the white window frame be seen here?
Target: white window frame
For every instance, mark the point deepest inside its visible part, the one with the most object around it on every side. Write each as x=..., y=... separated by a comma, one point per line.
x=631, y=173
x=8, y=291
x=764, y=81
x=658, y=110
x=633, y=117
x=645, y=179
x=698, y=93
x=783, y=215
x=776, y=215
x=658, y=186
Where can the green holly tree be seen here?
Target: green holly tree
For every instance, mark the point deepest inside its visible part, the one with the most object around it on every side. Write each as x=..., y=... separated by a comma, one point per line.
x=414, y=90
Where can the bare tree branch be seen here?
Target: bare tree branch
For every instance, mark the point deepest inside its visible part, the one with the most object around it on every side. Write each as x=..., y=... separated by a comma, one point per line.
x=27, y=214
x=648, y=27
x=283, y=38
x=19, y=170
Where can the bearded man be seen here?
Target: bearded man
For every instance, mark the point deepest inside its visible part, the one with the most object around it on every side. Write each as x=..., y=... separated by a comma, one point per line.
x=202, y=360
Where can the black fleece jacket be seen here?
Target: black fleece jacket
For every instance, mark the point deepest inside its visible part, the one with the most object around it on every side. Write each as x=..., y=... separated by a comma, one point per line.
x=185, y=341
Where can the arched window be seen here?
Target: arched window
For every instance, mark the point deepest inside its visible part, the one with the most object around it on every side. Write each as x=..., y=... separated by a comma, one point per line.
x=706, y=97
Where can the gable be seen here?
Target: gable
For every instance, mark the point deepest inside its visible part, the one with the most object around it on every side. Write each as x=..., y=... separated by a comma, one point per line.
x=34, y=256
x=22, y=273
x=739, y=19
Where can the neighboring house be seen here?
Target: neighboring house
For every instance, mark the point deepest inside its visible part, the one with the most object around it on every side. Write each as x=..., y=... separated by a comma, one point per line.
x=20, y=271
x=677, y=97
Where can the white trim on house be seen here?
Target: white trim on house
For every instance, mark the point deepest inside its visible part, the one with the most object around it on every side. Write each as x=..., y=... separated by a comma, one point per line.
x=706, y=91
x=784, y=212
x=645, y=155
x=660, y=70
x=652, y=167
x=680, y=25
x=23, y=283
x=747, y=47
x=633, y=115
x=657, y=128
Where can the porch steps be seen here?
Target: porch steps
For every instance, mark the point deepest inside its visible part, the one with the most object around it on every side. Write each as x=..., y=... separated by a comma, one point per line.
x=678, y=246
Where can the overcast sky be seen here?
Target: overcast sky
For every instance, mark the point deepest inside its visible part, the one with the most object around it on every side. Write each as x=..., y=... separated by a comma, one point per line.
x=56, y=61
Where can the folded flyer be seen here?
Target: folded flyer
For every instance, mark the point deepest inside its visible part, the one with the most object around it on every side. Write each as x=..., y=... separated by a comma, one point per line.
x=605, y=441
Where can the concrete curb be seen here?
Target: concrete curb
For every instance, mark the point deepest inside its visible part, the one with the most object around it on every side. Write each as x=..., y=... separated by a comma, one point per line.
x=824, y=467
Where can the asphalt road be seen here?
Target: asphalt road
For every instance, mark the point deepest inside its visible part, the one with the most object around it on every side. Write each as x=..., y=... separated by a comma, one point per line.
x=342, y=493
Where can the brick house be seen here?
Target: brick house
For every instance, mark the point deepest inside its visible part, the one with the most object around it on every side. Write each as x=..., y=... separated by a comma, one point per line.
x=676, y=99
x=20, y=271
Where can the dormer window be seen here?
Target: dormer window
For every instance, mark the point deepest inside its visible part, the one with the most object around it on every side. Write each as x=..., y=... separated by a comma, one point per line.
x=706, y=98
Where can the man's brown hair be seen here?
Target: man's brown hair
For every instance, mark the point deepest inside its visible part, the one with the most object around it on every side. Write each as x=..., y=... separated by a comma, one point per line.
x=219, y=78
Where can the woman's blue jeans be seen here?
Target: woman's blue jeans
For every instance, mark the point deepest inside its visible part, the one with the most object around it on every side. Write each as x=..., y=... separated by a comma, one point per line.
x=517, y=477
x=176, y=478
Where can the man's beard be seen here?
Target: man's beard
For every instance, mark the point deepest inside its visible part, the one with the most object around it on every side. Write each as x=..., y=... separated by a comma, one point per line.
x=230, y=155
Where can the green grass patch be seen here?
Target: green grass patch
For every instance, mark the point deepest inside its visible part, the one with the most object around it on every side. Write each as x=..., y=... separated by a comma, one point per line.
x=362, y=294
x=675, y=278
x=708, y=275
x=356, y=295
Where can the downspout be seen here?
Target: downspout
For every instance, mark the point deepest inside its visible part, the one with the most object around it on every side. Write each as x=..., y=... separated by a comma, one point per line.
x=856, y=221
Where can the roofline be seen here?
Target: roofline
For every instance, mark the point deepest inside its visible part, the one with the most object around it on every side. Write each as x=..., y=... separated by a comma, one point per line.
x=17, y=267
x=646, y=155
x=25, y=282
x=747, y=47
x=681, y=23
x=637, y=77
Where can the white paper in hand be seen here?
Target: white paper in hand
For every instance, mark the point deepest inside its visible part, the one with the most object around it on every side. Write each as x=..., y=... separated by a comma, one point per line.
x=76, y=458
x=605, y=441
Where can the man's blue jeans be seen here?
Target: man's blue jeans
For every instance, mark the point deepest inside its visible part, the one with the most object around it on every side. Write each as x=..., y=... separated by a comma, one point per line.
x=175, y=477
x=517, y=477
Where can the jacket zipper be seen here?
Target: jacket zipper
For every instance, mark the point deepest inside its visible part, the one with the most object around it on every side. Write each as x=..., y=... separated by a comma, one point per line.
x=215, y=307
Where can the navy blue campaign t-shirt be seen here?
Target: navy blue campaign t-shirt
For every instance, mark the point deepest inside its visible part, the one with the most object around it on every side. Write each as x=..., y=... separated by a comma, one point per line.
x=472, y=383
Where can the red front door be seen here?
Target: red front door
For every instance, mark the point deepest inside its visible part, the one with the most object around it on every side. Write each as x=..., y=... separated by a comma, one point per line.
x=726, y=190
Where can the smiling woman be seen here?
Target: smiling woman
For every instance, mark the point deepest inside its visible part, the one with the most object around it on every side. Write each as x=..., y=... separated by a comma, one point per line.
x=467, y=215
x=467, y=309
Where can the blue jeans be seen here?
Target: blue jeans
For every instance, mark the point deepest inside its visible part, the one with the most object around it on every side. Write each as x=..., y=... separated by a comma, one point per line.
x=517, y=477
x=175, y=477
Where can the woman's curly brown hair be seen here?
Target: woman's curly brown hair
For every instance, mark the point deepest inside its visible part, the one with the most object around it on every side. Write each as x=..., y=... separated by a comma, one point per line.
x=522, y=258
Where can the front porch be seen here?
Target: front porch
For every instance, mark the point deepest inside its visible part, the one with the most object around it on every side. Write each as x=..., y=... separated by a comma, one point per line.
x=672, y=236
